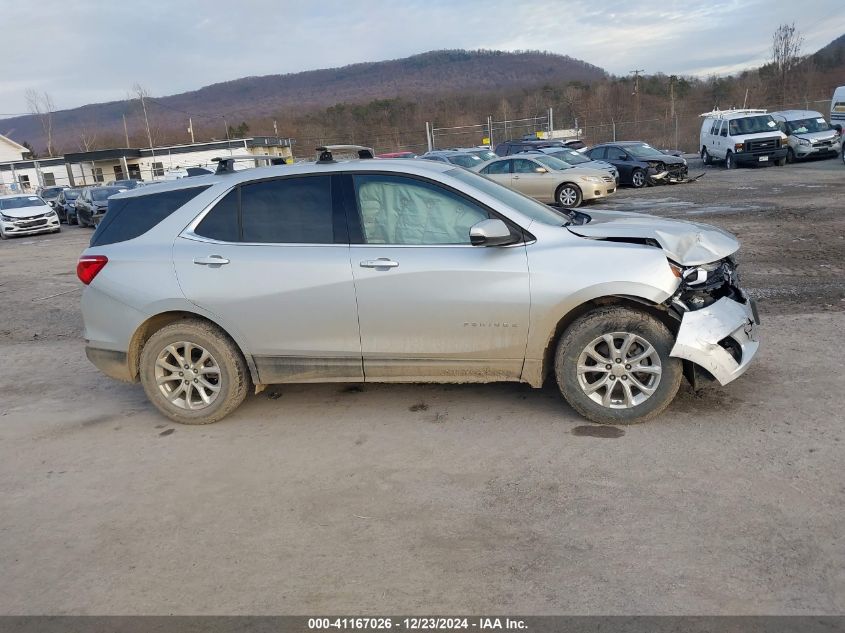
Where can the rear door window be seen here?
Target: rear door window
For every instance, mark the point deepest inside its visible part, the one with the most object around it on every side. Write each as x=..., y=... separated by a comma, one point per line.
x=221, y=222
x=288, y=211
x=129, y=218
x=296, y=210
x=597, y=153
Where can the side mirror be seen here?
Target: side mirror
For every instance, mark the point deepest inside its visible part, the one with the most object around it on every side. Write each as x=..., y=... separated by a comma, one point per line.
x=490, y=233
x=837, y=127
x=541, y=170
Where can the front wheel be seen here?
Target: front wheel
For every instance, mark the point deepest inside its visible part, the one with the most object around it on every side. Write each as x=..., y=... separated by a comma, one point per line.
x=80, y=221
x=790, y=156
x=780, y=162
x=193, y=373
x=729, y=161
x=569, y=196
x=638, y=178
x=613, y=366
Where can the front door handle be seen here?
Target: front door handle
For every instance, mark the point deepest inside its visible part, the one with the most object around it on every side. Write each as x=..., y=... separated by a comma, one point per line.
x=381, y=262
x=211, y=260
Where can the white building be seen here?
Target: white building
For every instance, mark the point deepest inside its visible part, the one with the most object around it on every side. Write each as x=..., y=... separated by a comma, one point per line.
x=101, y=166
x=96, y=166
x=9, y=150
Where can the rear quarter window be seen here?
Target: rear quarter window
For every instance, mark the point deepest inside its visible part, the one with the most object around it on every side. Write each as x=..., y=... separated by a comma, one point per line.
x=129, y=218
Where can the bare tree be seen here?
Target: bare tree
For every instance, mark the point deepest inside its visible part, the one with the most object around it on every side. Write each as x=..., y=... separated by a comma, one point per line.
x=87, y=139
x=141, y=93
x=41, y=105
x=786, y=54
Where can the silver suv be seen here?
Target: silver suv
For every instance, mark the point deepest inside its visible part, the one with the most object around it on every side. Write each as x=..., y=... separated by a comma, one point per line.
x=403, y=271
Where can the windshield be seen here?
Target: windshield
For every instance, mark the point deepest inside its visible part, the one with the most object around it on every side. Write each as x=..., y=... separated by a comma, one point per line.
x=528, y=207
x=570, y=156
x=485, y=154
x=551, y=162
x=71, y=194
x=752, y=125
x=103, y=193
x=51, y=192
x=807, y=126
x=20, y=203
x=641, y=150
x=465, y=160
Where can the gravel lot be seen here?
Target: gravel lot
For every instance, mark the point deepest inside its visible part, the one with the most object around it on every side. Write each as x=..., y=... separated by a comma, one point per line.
x=315, y=499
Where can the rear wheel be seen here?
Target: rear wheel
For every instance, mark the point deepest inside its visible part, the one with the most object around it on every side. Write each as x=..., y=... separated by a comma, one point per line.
x=638, y=178
x=193, y=373
x=613, y=366
x=569, y=196
x=705, y=156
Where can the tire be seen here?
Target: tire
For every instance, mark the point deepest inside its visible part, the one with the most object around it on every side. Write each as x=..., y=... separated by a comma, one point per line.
x=81, y=222
x=230, y=379
x=780, y=162
x=790, y=156
x=569, y=196
x=638, y=179
x=3, y=236
x=729, y=161
x=71, y=220
x=614, y=401
x=705, y=156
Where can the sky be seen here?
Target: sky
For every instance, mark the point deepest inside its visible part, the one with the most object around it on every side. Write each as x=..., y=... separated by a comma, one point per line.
x=90, y=51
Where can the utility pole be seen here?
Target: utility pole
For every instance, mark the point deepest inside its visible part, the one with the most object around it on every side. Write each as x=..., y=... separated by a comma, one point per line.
x=636, y=74
x=191, y=128
x=125, y=131
x=275, y=128
x=672, y=79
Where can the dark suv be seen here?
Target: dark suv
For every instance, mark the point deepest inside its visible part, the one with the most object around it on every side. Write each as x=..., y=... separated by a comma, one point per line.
x=515, y=147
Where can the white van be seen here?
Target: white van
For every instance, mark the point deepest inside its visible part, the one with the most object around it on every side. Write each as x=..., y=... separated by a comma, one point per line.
x=837, y=108
x=808, y=134
x=741, y=137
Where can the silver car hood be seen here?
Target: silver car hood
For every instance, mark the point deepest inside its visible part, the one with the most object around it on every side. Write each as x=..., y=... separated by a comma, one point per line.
x=825, y=135
x=686, y=243
x=27, y=212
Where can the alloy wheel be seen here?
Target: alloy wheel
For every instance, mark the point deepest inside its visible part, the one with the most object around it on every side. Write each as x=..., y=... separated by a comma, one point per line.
x=187, y=375
x=619, y=370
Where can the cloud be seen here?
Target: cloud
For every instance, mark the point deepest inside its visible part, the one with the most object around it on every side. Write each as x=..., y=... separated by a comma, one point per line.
x=96, y=50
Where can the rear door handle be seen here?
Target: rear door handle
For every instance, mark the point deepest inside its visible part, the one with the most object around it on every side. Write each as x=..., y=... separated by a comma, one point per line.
x=211, y=260
x=381, y=262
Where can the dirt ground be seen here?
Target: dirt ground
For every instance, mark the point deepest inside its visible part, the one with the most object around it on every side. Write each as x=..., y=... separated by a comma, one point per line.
x=388, y=499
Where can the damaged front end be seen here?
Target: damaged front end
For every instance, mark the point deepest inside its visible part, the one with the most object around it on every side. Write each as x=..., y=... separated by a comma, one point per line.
x=663, y=173
x=718, y=331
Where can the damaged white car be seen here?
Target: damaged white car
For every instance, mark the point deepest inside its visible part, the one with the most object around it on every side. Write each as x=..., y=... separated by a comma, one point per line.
x=403, y=271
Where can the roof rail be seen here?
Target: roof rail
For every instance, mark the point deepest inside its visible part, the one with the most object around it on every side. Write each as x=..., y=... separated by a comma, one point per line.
x=325, y=152
x=721, y=113
x=226, y=164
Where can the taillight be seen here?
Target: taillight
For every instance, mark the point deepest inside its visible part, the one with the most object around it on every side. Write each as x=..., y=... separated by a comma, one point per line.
x=88, y=267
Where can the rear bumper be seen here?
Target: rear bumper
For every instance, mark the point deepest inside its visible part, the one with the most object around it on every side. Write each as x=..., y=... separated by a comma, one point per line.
x=706, y=336
x=112, y=363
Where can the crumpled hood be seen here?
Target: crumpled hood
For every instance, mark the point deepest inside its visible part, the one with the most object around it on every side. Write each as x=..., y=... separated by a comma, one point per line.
x=686, y=243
